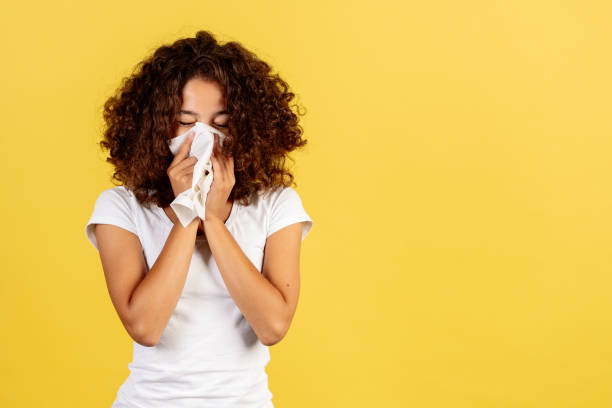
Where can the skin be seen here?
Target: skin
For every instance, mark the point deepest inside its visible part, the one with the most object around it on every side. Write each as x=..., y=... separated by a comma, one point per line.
x=145, y=301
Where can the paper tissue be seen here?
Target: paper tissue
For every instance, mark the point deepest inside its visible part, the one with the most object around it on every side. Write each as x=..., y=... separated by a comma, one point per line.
x=191, y=202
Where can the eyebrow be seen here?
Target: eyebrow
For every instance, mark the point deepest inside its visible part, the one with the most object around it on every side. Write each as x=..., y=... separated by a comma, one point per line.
x=188, y=112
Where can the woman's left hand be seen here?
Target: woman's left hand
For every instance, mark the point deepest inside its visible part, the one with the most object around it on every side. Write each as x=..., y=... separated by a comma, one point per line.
x=222, y=184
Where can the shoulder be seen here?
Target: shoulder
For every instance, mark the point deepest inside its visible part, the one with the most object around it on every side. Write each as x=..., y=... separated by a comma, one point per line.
x=283, y=206
x=116, y=199
x=119, y=193
x=277, y=196
x=113, y=206
x=265, y=200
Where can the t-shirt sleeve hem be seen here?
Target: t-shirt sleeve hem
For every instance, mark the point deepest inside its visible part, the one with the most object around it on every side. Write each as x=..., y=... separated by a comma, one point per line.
x=90, y=231
x=284, y=222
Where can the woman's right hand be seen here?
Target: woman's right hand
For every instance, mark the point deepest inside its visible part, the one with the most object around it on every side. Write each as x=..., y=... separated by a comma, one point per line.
x=180, y=171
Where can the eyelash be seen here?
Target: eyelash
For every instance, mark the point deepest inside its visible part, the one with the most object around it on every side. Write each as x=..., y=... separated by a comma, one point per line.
x=186, y=124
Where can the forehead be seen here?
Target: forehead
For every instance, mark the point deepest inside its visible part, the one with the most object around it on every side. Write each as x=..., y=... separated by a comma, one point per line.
x=199, y=94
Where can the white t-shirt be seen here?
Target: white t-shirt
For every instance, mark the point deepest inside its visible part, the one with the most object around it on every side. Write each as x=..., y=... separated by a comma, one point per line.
x=208, y=354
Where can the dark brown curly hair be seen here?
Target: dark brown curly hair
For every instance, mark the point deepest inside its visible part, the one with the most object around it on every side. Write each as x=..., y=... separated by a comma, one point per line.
x=142, y=115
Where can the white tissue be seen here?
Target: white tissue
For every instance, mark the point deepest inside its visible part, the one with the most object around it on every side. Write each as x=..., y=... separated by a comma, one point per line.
x=191, y=202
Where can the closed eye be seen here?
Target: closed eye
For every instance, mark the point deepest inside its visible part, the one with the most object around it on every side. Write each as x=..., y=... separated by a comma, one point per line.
x=193, y=123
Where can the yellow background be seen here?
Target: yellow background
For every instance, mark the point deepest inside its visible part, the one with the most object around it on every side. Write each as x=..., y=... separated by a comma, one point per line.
x=457, y=172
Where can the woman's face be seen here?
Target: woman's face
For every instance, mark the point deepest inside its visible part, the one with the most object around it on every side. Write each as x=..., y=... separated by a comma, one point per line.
x=203, y=101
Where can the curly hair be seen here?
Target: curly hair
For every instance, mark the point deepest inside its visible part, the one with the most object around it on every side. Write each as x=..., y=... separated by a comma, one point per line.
x=141, y=116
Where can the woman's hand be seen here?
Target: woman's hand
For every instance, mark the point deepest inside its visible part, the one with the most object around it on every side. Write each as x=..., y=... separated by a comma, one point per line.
x=222, y=184
x=180, y=171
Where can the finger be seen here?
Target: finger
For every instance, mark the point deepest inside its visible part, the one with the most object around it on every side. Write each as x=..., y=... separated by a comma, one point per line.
x=218, y=171
x=186, y=174
x=230, y=165
x=228, y=162
x=214, y=149
x=184, y=149
x=225, y=163
x=217, y=147
x=188, y=162
x=222, y=159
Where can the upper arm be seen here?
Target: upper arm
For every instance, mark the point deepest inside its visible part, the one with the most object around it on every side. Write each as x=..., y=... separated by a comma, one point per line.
x=124, y=268
x=287, y=226
x=281, y=264
x=112, y=231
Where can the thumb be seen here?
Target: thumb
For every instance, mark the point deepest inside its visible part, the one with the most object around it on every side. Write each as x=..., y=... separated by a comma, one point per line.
x=186, y=145
x=183, y=151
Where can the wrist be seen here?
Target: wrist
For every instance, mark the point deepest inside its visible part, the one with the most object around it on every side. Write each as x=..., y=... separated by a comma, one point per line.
x=193, y=224
x=211, y=219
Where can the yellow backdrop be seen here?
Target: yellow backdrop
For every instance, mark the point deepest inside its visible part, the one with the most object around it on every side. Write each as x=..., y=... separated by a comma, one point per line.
x=457, y=172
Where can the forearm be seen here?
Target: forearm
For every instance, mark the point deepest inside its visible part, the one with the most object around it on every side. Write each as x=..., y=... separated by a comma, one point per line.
x=156, y=296
x=260, y=302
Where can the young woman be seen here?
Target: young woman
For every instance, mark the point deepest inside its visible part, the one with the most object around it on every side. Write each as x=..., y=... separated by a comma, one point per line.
x=203, y=302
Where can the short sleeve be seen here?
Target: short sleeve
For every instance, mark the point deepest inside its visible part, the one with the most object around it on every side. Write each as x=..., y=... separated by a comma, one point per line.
x=111, y=207
x=285, y=208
